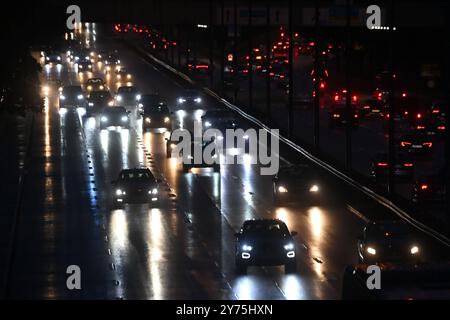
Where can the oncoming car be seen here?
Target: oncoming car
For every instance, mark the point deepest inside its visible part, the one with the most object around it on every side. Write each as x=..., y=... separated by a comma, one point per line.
x=389, y=241
x=296, y=183
x=71, y=96
x=189, y=97
x=156, y=117
x=95, y=84
x=265, y=242
x=128, y=96
x=135, y=186
x=114, y=117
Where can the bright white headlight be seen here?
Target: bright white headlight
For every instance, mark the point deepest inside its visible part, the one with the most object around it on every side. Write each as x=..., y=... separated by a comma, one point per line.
x=80, y=96
x=124, y=118
x=138, y=97
x=91, y=104
x=314, y=188
x=289, y=246
x=371, y=251
x=153, y=191
x=119, y=192
x=104, y=119
x=207, y=124
x=119, y=98
x=198, y=100
x=62, y=97
x=246, y=247
x=282, y=189
x=414, y=250
x=181, y=100
x=166, y=119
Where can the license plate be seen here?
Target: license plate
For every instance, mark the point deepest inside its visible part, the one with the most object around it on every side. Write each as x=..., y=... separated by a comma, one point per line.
x=415, y=146
x=375, y=111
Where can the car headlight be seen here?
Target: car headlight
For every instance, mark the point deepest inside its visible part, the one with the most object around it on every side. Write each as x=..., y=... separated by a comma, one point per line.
x=198, y=100
x=371, y=251
x=289, y=246
x=147, y=120
x=246, y=247
x=140, y=105
x=282, y=189
x=166, y=119
x=89, y=87
x=314, y=188
x=80, y=96
x=59, y=58
x=104, y=119
x=153, y=191
x=111, y=103
x=90, y=104
x=414, y=250
x=207, y=124
x=90, y=66
x=118, y=61
x=181, y=100
x=62, y=97
x=102, y=87
x=119, y=192
x=138, y=97
x=80, y=66
x=119, y=98
x=124, y=118
x=128, y=76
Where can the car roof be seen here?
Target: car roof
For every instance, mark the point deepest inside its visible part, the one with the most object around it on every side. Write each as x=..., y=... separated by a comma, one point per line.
x=72, y=88
x=263, y=222
x=94, y=80
x=115, y=109
x=297, y=169
x=127, y=88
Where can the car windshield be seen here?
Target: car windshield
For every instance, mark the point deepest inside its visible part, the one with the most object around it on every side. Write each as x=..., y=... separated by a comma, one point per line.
x=137, y=174
x=388, y=231
x=265, y=228
x=115, y=110
x=95, y=81
x=295, y=172
x=127, y=90
x=99, y=94
x=150, y=99
x=72, y=90
x=162, y=108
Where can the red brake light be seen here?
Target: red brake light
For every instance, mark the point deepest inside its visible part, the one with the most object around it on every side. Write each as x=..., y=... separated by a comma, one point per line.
x=405, y=143
x=441, y=128
x=423, y=187
x=408, y=164
x=428, y=144
x=382, y=164
x=355, y=98
x=420, y=127
x=436, y=111
x=403, y=94
x=419, y=115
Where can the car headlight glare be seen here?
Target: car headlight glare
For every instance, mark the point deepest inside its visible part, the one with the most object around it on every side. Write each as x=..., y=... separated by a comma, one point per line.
x=414, y=250
x=282, y=189
x=138, y=97
x=119, y=192
x=147, y=120
x=246, y=247
x=119, y=98
x=198, y=100
x=166, y=119
x=371, y=251
x=207, y=124
x=62, y=97
x=314, y=188
x=91, y=104
x=289, y=246
x=80, y=96
x=153, y=191
x=104, y=119
x=181, y=100
x=124, y=118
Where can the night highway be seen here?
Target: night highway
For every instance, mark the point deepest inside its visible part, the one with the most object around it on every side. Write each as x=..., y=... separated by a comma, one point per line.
x=225, y=150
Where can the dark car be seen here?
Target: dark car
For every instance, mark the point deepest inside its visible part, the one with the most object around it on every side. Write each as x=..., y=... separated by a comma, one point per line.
x=430, y=190
x=95, y=84
x=410, y=108
x=219, y=119
x=97, y=100
x=148, y=102
x=114, y=117
x=430, y=126
x=416, y=143
x=374, y=108
x=296, y=183
x=111, y=61
x=438, y=109
x=156, y=117
x=338, y=116
x=265, y=242
x=128, y=96
x=190, y=97
x=53, y=58
x=403, y=169
x=84, y=66
x=389, y=242
x=136, y=186
x=190, y=161
x=71, y=96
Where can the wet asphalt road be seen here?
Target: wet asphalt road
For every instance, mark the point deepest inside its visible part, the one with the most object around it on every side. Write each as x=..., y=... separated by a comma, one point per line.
x=185, y=248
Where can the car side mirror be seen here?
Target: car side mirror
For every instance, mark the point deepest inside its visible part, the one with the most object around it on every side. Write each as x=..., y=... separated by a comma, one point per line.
x=294, y=233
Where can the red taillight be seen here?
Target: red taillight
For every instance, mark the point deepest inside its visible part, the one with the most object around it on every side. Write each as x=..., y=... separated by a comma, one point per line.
x=423, y=187
x=406, y=113
x=441, y=128
x=336, y=98
x=419, y=115
x=436, y=111
x=420, y=127
x=408, y=165
x=428, y=144
x=202, y=66
x=405, y=143
x=403, y=94
x=322, y=85
x=355, y=98
x=356, y=116
x=366, y=107
x=382, y=164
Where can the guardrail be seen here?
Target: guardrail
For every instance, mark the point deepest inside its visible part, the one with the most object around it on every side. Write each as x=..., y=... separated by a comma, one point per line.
x=367, y=191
